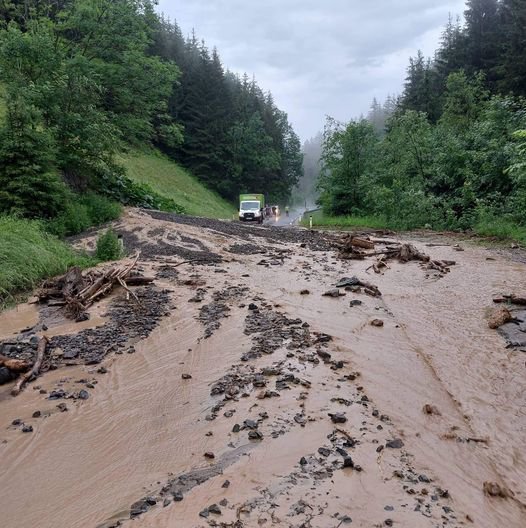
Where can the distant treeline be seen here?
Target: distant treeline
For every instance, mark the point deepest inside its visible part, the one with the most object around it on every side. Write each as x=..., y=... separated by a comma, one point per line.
x=450, y=152
x=83, y=79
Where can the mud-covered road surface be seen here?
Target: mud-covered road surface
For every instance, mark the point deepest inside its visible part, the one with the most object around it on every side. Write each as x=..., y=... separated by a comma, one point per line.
x=238, y=395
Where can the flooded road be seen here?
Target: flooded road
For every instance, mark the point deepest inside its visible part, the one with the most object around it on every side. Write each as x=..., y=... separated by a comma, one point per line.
x=308, y=415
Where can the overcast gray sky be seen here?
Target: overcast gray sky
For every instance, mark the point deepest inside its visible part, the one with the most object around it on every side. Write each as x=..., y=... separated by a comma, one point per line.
x=318, y=57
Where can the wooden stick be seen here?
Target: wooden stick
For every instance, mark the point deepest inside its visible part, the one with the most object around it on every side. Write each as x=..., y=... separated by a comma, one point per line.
x=33, y=373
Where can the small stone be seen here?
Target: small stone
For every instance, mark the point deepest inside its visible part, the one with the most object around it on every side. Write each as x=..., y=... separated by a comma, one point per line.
x=166, y=502
x=27, y=429
x=338, y=417
x=348, y=462
x=138, y=508
x=83, y=395
x=102, y=370
x=37, y=414
x=62, y=407
x=355, y=302
x=377, y=322
x=388, y=522
x=379, y=449
x=236, y=428
x=252, y=306
x=255, y=435
x=423, y=478
x=178, y=496
x=204, y=513
x=209, y=455
x=214, y=508
x=395, y=444
x=223, y=502
x=226, y=484
x=186, y=376
x=323, y=451
x=305, y=292
x=18, y=421
x=335, y=292
x=303, y=461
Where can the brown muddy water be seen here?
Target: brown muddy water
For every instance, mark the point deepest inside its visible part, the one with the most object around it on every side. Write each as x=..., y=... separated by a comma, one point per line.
x=144, y=429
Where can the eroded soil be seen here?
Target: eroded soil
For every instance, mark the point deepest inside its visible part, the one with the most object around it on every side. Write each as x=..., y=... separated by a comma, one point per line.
x=236, y=394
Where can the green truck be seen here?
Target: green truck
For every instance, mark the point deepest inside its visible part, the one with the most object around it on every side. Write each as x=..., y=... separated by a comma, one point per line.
x=251, y=207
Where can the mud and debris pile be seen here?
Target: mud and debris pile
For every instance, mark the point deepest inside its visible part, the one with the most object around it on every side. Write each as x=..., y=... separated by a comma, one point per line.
x=352, y=247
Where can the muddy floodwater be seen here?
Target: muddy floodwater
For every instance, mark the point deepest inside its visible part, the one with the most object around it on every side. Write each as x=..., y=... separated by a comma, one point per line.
x=254, y=400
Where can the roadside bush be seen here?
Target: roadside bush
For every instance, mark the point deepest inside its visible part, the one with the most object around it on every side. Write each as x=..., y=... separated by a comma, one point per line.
x=108, y=246
x=83, y=212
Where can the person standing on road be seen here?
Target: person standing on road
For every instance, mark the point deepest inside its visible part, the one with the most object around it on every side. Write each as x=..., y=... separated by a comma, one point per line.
x=287, y=210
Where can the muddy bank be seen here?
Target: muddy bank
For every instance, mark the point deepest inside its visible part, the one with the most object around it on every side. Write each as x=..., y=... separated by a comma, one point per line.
x=257, y=400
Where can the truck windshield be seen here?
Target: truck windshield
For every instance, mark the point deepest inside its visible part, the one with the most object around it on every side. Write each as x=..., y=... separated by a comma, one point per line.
x=247, y=206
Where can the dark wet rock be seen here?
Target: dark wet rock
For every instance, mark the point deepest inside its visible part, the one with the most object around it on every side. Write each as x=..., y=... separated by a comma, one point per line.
x=355, y=302
x=166, y=502
x=250, y=424
x=204, y=513
x=348, y=281
x=323, y=451
x=348, y=462
x=6, y=375
x=226, y=484
x=388, y=522
x=236, y=428
x=424, y=478
x=253, y=306
x=83, y=395
x=300, y=419
x=395, y=444
x=377, y=322
x=27, y=429
x=223, y=502
x=57, y=394
x=324, y=355
x=255, y=435
x=380, y=448
x=62, y=407
x=303, y=461
x=388, y=508
x=338, y=417
x=152, y=501
x=16, y=422
x=177, y=496
x=138, y=508
x=186, y=376
x=305, y=292
x=214, y=508
x=209, y=455
x=37, y=414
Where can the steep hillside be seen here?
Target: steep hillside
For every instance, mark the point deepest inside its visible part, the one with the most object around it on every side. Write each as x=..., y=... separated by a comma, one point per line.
x=172, y=181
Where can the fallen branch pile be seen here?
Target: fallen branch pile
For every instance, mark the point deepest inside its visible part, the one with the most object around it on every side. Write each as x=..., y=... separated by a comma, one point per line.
x=352, y=247
x=77, y=292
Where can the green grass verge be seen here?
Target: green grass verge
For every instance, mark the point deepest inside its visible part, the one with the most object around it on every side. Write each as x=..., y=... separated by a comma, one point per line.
x=501, y=229
x=172, y=181
x=28, y=254
x=344, y=222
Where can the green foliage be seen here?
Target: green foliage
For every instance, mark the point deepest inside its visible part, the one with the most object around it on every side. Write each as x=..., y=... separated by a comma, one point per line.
x=88, y=78
x=82, y=212
x=28, y=254
x=108, y=246
x=465, y=171
x=29, y=184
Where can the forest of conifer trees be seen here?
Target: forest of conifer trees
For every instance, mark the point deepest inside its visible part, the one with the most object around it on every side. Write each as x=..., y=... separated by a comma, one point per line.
x=83, y=80
x=449, y=152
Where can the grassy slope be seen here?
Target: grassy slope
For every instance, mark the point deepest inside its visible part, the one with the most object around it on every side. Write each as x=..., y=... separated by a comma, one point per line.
x=28, y=255
x=172, y=181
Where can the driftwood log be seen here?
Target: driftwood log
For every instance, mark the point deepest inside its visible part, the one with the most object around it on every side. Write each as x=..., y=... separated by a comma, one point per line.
x=15, y=365
x=35, y=370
